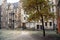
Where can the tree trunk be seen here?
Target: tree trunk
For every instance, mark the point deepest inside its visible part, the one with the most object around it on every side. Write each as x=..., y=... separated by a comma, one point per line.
x=43, y=26
x=41, y=17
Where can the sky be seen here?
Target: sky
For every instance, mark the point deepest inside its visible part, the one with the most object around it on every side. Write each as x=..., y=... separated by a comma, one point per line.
x=0, y=2
x=10, y=1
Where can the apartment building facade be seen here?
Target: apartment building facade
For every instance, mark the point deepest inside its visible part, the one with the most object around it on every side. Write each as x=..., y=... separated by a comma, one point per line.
x=4, y=14
x=10, y=15
x=37, y=25
x=13, y=17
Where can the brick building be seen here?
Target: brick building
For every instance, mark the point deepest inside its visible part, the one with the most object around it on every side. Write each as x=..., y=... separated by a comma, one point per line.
x=0, y=16
x=58, y=16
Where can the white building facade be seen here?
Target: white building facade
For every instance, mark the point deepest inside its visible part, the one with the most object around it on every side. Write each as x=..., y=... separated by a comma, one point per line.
x=38, y=25
x=13, y=15
x=10, y=15
x=4, y=14
x=16, y=16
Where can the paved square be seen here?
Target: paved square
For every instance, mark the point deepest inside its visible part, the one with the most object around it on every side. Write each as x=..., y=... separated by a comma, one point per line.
x=27, y=35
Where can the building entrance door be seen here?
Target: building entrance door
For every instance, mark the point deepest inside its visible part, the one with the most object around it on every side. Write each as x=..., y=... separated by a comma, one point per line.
x=37, y=26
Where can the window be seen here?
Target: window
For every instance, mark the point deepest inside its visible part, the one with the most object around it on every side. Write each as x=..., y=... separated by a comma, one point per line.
x=50, y=23
x=53, y=9
x=10, y=20
x=50, y=9
x=11, y=14
x=52, y=2
x=45, y=23
x=24, y=18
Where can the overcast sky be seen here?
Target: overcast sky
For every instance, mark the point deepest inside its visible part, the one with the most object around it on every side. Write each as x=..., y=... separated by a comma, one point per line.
x=0, y=2
x=10, y=1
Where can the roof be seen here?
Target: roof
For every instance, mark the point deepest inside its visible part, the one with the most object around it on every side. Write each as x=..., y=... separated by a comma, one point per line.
x=14, y=4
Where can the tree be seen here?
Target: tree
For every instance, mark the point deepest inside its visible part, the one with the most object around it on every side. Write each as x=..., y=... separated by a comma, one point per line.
x=37, y=10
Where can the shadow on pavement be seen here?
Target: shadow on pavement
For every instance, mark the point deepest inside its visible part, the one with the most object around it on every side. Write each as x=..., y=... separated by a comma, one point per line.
x=47, y=37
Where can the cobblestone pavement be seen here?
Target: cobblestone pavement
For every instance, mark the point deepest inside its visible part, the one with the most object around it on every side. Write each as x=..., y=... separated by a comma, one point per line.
x=26, y=35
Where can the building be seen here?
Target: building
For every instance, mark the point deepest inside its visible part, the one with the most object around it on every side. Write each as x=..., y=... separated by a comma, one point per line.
x=58, y=15
x=53, y=10
x=4, y=14
x=10, y=15
x=0, y=16
x=13, y=16
x=51, y=24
